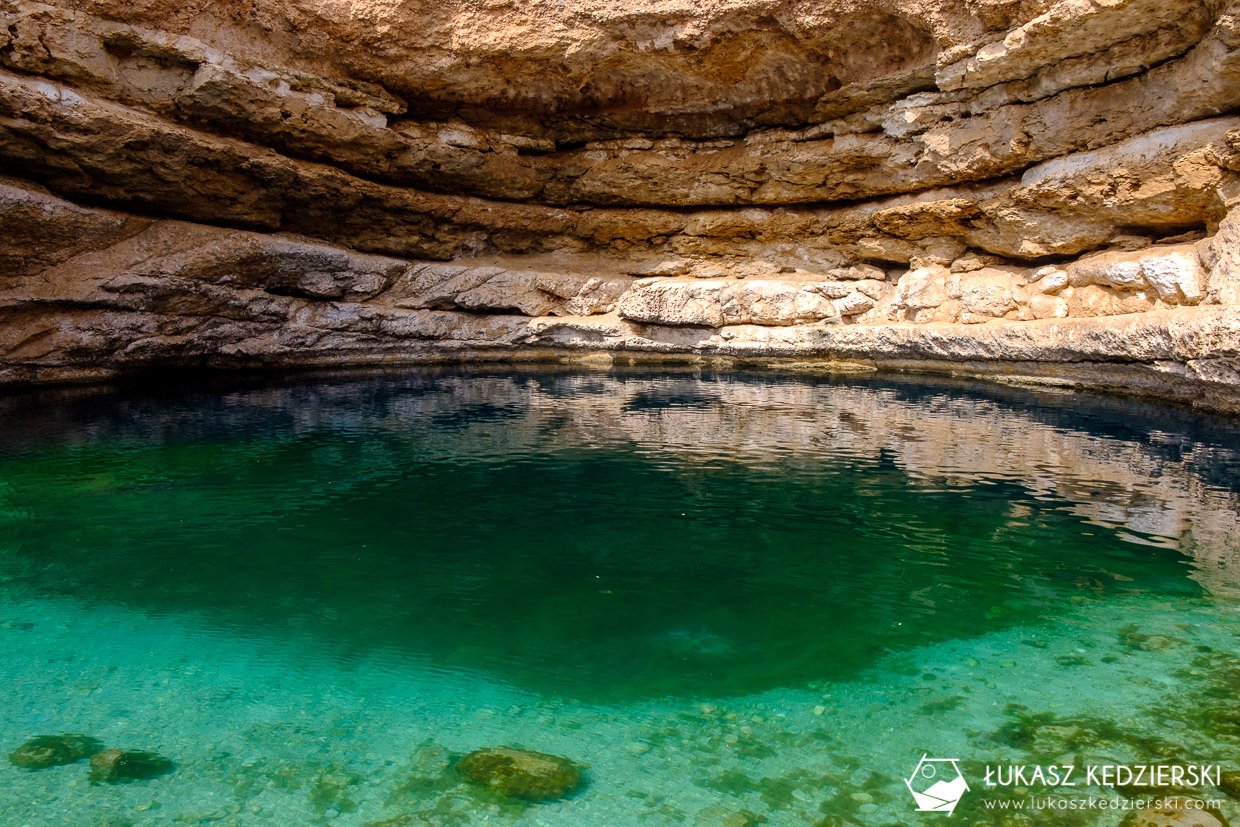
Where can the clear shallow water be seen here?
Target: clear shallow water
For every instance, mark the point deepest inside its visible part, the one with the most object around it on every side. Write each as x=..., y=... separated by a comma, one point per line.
x=723, y=592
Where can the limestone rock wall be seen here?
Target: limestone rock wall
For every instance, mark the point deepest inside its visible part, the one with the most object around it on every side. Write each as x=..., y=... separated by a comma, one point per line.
x=1042, y=190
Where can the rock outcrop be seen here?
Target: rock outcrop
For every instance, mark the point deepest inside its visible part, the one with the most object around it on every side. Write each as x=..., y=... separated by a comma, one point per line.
x=1029, y=188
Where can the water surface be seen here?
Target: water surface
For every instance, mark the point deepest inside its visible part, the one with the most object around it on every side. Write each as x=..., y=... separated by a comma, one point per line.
x=725, y=592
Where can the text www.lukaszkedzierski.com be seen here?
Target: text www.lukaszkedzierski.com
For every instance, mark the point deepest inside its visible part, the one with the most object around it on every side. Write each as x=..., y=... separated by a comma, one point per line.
x=1094, y=804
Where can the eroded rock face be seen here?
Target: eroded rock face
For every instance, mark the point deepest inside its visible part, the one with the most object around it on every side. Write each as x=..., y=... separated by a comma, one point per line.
x=1023, y=186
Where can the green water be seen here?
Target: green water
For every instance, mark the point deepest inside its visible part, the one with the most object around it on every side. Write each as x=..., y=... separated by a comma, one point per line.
x=605, y=566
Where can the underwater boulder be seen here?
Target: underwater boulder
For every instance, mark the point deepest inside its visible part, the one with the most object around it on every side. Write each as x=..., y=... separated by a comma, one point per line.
x=53, y=751
x=1229, y=782
x=119, y=765
x=521, y=774
x=1176, y=811
x=719, y=816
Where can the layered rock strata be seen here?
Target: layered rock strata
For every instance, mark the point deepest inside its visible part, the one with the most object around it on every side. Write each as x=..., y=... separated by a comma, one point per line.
x=1040, y=190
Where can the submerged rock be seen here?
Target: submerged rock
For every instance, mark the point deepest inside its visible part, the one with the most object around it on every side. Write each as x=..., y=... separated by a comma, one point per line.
x=1229, y=782
x=118, y=765
x=718, y=816
x=522, y=774
x=1176, y=811
x=53, y=750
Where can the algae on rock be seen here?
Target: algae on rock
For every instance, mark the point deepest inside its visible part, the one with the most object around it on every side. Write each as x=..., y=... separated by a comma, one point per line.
x=522, y=774
x=53, y=750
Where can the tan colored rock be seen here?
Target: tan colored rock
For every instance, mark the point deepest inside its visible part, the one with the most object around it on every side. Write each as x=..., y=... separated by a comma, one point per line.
x=343, y=181
x=989, y=292
x=714, y=303
x=922, y=289
x=584, y=295
x=316, y=117
x=507, y=291
x=831, y=289
x=1221, y=255
x=1044, y=306
x=1095, y=300
x=494, y=288
x=1164, y=178
x=230, y=182
x=1173, y=272
x=1066, y=30
x=776, y=303
x=674, y=303
x=853, y=304
x=166, y=256
x=863, y=273
x=872, y=288
x=1050, y=279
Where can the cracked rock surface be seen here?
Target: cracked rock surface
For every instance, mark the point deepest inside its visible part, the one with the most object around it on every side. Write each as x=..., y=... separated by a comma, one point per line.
x=1032, y=189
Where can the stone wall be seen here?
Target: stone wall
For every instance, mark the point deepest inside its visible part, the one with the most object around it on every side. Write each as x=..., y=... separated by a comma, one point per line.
x=1040, y=190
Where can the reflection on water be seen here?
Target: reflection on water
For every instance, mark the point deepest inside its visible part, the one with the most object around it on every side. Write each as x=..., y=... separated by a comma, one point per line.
x=613, y=538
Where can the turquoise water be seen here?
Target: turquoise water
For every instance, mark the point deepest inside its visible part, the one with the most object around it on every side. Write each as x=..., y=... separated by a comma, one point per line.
x=736, y=598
